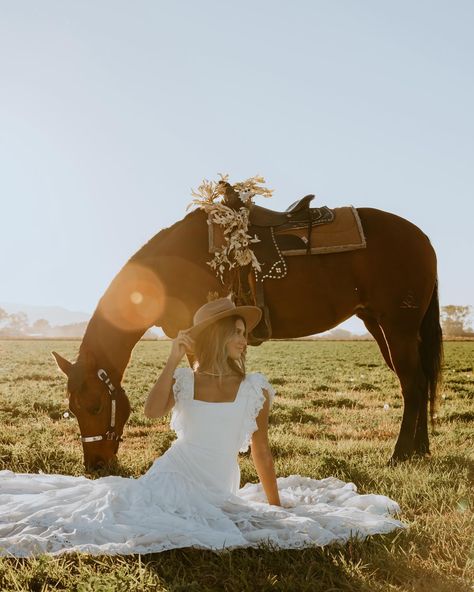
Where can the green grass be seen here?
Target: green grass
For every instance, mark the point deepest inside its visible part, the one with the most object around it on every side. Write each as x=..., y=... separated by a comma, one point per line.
x=330, y=418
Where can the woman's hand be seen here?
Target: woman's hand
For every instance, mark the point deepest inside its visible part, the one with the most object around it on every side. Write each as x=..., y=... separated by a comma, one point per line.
x=181, y=345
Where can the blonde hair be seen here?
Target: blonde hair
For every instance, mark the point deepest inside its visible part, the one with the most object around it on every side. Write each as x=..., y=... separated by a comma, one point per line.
x=210, y=348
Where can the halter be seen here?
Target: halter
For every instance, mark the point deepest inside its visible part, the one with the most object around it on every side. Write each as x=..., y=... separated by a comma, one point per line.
x=110, y=433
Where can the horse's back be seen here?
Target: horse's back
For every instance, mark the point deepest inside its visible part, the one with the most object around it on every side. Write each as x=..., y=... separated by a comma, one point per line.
x=376, y=221
x=394, y=237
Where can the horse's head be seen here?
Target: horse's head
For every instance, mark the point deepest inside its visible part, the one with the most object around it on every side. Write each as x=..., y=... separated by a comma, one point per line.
x=101, y=407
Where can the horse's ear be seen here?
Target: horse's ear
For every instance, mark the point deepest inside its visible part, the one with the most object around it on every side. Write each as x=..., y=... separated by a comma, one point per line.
x=62, y=363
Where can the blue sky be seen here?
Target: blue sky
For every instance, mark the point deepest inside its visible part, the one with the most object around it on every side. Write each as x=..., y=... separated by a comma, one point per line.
x=111, y=111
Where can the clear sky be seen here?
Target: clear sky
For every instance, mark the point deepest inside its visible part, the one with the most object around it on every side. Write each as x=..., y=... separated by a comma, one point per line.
x=110, y=111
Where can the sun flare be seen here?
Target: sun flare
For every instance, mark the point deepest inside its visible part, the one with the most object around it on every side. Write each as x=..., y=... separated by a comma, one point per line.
x=135, y=299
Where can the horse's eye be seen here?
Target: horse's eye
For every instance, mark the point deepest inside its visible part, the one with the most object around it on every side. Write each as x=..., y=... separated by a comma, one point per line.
x=95, y=409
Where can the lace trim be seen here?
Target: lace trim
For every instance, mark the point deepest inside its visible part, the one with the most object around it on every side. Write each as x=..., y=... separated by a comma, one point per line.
x=255, y=403
x=182, y=391
x=183, y=385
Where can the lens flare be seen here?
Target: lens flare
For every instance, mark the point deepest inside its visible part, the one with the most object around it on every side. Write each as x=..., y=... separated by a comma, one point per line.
x=135, y=299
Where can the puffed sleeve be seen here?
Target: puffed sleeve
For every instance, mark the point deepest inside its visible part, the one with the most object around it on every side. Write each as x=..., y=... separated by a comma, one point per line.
x=183, y=384
x=255, y=400
x=259, y=381
x=182, y=391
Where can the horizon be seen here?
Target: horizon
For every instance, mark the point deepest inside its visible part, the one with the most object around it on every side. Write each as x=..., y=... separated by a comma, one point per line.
x=353, y=326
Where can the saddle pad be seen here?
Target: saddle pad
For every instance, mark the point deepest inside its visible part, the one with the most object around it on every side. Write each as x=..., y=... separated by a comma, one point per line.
x=344, y=233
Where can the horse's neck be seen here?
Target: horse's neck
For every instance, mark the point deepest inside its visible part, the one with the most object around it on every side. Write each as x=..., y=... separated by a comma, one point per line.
x=178, y=256
x=107, y=346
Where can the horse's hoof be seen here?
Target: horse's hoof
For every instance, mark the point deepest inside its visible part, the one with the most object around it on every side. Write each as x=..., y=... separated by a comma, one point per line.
x=422, y=455
x=422, y=450
x=396, y=459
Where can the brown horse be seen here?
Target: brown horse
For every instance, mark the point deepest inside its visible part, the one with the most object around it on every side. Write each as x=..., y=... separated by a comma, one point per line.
x=391, y=285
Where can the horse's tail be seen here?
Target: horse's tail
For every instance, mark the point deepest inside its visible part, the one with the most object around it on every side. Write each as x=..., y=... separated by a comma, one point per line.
x=431, y=350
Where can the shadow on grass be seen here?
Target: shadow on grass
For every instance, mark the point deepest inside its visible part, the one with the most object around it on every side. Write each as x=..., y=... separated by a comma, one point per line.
x=372, y=565
x=114, y=468
x=365, y=386
x=346, y=470
x=466, y=416
x=343, y=402
x=455, y=462
x=399, y=561
x=286, y=415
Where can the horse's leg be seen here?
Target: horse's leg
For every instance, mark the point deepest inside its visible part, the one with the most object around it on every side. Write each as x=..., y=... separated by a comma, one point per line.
x=422, y=442
x=404, y=352
x=375, y=330
x=431, y=353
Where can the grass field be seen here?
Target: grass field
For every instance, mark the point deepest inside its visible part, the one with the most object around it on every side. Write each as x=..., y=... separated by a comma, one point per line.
x=337, y=412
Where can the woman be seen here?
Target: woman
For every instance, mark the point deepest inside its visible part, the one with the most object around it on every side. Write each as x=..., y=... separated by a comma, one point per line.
x=220, y=348
x=191, y=496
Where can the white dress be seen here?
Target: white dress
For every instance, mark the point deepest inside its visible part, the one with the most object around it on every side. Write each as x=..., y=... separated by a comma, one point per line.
x=190, y=497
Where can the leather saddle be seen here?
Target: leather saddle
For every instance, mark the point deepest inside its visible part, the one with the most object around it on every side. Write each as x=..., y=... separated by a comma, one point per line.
x=276, y=231
x=284, y=233
x=264, y=217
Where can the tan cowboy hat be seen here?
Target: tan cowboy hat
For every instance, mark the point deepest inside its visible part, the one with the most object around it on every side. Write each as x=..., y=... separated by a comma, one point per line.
x=220, y=309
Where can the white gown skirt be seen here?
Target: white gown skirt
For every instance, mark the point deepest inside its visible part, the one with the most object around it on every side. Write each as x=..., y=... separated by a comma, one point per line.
x=166, y=509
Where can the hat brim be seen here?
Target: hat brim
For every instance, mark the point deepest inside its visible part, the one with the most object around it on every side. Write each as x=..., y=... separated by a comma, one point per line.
x=250, y=314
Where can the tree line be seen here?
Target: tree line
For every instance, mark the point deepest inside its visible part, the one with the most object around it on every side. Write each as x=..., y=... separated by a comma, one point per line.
x=455, y=321
x=17, y=324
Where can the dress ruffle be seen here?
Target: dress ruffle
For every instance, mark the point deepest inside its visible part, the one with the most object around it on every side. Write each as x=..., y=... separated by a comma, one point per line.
x=314, y=512
x=255, y=402
x=182, y=391
x=183, y=384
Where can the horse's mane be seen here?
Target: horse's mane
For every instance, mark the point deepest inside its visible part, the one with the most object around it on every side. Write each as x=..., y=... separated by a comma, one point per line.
x=157, y=240
x=163, y=233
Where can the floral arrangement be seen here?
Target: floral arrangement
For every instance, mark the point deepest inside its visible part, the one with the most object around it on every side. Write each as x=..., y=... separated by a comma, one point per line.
x=209, y=191
x=236, y=250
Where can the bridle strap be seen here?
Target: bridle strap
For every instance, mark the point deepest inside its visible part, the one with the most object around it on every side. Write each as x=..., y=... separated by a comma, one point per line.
x=102, y=374
x=91, y=438
x=110, y=433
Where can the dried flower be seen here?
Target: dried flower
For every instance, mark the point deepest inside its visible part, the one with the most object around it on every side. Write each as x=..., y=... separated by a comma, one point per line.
x=235, y=223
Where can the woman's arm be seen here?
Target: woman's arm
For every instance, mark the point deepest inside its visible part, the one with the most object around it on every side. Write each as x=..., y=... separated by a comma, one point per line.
x=160, y=399
x=262, y=456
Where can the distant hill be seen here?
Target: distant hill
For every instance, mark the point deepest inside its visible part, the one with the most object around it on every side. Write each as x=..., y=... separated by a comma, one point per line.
x=55, y=315
x=338, y=334
x=61, y=322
